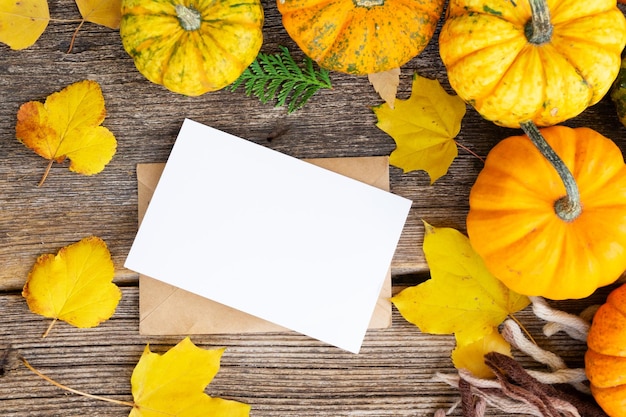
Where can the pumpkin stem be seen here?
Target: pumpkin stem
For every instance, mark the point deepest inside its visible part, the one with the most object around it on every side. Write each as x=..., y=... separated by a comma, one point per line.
x=368, y=3
x=189, y=18
x=568, y=207
x=539, y=30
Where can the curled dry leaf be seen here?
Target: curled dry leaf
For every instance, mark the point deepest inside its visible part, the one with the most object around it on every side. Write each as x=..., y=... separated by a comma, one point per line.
x=386, y=85
x=75, y=285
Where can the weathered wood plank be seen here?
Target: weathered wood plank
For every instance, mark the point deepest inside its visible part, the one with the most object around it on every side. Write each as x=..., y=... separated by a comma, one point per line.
x=282, y=374
x=146, y=118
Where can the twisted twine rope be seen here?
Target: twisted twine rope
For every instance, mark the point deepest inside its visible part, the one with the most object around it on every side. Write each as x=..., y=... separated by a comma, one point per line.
x=519, y=391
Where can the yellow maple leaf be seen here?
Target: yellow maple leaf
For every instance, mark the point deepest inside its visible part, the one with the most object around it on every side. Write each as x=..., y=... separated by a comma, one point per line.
x=424, y=127
x=173, y=384
x=462, y=296
x=472, y=356
x=102, y=12
x=75, y=285
x=22, y=22
x=67, y=125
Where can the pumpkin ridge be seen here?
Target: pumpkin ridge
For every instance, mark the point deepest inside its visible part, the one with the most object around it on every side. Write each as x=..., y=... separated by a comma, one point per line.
x=240, y=66
x=450, y=21
x=502, y=70
x=340, y=34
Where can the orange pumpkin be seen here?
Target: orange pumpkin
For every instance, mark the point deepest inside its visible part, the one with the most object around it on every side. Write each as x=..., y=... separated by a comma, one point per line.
x=519, y=223
x=605, y=360
x=361, y=36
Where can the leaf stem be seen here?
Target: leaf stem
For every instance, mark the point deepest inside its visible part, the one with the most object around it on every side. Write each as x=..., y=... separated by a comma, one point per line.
x=82, y=22
x=468, y=150
x=46, y=172
x=568, y=207
x=66, y=388
x=47, y=332
x=521, y=326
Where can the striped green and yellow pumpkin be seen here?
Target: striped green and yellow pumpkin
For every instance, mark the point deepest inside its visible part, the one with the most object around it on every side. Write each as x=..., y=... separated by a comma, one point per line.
x=192, y=46
x=361, y=36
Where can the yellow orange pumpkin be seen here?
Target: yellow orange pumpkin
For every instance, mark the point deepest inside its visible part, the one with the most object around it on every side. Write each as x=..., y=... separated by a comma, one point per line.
x=519, y=225
x=361, y=36
x=195, y=46
x=605, y=359
x=538, y=60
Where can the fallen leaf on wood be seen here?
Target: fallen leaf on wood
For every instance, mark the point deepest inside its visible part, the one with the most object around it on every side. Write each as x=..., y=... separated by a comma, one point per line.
x=68, y=126
x=102, y=12
x=75, y=285
x=173, y=384
x=461, y=297
x=471, y=356
x=22, y=22
x=423, y=127
x=386, y=85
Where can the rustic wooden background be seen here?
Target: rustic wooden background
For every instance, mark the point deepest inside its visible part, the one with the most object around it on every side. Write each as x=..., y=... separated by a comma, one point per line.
x=282, y=374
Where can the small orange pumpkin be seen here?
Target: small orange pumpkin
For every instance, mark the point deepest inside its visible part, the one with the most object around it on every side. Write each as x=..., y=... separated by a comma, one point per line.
x=605, y=360
x=361, y=36
x=528, y=238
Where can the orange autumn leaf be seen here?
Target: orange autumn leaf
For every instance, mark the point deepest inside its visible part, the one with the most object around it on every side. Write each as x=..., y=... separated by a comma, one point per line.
x=75, y=285
x=68, y=125
x=102, y=12
x=173, y=384
x=22, y=22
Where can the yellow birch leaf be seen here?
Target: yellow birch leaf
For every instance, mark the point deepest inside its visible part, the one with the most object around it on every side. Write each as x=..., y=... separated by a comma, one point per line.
x=472, y=356
x=462, y=296
x=22, y=22
x=75, y=285
x=102, y=12
x=424, y=127
x=67, y=125
x=173, y=384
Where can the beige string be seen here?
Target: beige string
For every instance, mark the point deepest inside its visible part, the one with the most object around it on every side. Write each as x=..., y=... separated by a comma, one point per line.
x=492, y=392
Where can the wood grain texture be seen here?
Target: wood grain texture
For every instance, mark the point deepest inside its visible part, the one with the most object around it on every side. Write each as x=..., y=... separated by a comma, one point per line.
x=280, y=374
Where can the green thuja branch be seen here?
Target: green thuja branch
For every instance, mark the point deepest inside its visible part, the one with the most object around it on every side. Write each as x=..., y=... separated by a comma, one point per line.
x=278, y=76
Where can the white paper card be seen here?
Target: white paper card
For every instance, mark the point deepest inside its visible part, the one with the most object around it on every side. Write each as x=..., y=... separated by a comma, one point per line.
x=270, y=235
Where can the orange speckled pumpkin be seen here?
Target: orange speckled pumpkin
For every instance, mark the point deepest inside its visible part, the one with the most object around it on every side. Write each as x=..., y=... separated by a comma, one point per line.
x=192, y=47
x=361, y=36
x=496, y=64
x=514, y=224
x=605, y=360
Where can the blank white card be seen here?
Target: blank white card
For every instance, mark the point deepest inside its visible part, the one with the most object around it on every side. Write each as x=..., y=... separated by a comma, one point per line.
x=270, y=235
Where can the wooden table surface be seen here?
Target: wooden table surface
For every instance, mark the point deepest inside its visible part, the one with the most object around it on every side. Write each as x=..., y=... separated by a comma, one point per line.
x=279, y=374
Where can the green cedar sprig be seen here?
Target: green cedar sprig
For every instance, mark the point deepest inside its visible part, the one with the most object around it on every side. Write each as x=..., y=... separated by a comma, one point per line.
x=278, y=76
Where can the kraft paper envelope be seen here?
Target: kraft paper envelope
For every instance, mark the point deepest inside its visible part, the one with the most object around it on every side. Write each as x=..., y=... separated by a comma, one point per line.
x=270, y=235
x=168, y=310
